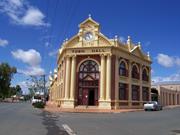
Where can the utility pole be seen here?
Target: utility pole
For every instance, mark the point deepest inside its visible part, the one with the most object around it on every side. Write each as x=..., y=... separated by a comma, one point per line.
x=44, y=84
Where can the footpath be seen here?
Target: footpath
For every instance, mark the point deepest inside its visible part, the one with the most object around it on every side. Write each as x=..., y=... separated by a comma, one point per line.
x=53, y=108
x=50, y=107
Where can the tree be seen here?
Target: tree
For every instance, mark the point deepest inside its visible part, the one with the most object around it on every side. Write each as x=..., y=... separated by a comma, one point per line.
x=37, y=84
x=6, y=74
x=18, y=90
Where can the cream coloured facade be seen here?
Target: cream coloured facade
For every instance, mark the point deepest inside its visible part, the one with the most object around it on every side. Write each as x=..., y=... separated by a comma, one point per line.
x=94, y=70
x=168, y=93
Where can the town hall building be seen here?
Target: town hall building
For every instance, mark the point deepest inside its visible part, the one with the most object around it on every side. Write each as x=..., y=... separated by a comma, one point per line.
x=93, y=70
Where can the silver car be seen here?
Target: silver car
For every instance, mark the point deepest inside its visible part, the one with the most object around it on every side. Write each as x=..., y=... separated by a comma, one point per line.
x=153, y=106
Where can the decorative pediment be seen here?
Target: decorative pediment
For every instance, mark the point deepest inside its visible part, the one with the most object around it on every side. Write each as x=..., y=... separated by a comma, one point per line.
x=88, y=78
x=89, y=24
x=137, y=52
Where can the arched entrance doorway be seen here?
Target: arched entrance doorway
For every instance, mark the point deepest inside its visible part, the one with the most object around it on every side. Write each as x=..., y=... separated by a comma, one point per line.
x=88, y=83
x=154, y=94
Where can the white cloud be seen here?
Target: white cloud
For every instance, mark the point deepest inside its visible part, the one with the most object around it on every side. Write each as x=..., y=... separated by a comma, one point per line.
x=33, y=16
x=53, y=53
x=31, y=57
x=168, y=61
x=32, y=71
x=17, y=2
x=22, y=13
x=3, y=42
x=165, y=60
x=171, y=78
x=177, y=61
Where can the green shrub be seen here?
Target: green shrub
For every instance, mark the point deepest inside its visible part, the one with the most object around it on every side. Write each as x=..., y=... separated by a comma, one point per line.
x=39, y=105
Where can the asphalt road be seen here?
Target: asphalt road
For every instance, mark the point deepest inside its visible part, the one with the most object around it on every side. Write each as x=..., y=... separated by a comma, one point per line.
x=22, y=119
x=166, y=122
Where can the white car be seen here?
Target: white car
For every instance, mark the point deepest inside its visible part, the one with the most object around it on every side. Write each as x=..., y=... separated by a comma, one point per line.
x=36, y=99
x=152, y=105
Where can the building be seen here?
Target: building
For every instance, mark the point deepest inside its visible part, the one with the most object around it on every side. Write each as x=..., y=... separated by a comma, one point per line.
x=168, y=93
x=94, y=70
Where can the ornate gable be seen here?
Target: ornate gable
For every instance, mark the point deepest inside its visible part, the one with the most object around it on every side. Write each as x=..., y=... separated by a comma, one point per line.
x=88, y=36
x=137, y=51
x=88, y=30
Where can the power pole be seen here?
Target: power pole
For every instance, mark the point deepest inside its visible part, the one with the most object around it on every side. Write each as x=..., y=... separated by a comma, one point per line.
x=44, y=83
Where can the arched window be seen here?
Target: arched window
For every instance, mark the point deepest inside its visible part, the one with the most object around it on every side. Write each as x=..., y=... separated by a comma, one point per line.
x=122, y=69
x=88, y=83
x=89, y=68
x=134, y=72
x=145, y=76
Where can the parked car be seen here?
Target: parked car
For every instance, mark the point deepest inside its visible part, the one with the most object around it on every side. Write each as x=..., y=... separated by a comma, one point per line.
x=153, y=106
x=36, y=99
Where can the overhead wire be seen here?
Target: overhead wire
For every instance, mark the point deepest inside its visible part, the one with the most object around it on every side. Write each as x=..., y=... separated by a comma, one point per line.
x=50, y=33
x=72, y=16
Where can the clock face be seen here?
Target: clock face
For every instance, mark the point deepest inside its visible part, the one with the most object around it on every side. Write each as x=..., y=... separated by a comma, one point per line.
x=88, y=36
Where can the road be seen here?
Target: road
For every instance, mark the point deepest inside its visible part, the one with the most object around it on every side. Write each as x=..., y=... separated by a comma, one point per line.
x=22, y=119
x=166, y=122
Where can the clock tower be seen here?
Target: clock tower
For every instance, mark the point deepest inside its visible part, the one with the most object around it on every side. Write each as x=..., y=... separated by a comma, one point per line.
x=88, y=32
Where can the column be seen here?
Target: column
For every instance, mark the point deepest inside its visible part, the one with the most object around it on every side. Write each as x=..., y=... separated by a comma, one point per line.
x=150, y=84
x=171, y=98
x=167, y=98
x=116, y=83
x=108, y=78
x=175, y=98
x=73, y=77
x=140, y=73
x=103, y=78
x=67, y=80
x=130, y=86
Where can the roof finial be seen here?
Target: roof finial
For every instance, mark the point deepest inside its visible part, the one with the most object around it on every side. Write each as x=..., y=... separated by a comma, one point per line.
x=50, y=72
x=116, y=37
x=55, y=71
x=139, y=45
x=129, y=40
x=89, y=16
x=148, y=54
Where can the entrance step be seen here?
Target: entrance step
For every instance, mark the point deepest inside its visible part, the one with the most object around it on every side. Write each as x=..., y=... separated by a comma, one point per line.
x=86, y=107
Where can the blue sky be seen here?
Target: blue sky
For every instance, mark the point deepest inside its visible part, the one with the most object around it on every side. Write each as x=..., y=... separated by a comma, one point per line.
x=31, y=31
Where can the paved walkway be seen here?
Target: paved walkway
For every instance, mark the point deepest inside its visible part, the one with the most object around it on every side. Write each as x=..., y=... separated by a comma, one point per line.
x=50, y=107
x=53, y=108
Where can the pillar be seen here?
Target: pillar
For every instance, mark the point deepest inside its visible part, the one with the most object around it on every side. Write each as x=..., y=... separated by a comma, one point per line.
x=140, y=92
x=167, y=98
x=73, y=78
x=130, y=86
x=175, y=96
x=164, y=98
x=116, y=83
x=108, y=78
x=102, y=78
x=150, y=84
x=67, y=80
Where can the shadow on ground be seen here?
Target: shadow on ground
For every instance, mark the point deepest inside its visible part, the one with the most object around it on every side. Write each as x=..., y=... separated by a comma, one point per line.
x=49, y=121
